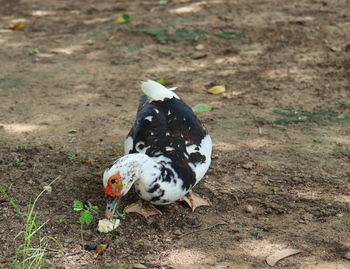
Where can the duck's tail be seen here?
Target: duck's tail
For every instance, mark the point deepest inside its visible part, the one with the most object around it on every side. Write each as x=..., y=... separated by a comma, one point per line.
x=156, y=91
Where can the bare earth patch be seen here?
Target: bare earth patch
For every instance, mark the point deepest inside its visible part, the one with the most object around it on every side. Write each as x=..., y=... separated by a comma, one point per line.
x=280, y=175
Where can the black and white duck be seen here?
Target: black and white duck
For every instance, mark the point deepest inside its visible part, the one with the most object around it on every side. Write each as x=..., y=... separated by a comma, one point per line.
x=167, y=152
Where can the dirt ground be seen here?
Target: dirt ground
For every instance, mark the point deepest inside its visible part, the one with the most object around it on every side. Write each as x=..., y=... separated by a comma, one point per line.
x=280, y=175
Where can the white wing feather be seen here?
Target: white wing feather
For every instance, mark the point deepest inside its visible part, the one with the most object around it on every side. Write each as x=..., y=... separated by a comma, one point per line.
x=156, y=91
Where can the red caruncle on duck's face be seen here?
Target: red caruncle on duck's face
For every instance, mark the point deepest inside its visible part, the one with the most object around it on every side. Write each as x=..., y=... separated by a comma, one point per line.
x=114, y=185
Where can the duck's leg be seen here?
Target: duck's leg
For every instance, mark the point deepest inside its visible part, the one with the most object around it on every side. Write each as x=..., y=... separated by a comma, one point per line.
x=143, y=208
x=194, y=200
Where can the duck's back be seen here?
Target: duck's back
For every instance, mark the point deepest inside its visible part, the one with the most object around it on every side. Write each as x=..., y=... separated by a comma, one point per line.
x=168, y=131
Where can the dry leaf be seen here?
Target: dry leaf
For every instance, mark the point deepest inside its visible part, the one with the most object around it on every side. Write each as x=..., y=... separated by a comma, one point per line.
x=201, y=108
x=217, y=89
x=3, y=264
x=280, y=254
x=18, y=26
x=101, y=248
x=124, y=18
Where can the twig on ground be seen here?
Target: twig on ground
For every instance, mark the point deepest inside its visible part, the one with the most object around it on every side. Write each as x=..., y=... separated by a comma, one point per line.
x=202, y=229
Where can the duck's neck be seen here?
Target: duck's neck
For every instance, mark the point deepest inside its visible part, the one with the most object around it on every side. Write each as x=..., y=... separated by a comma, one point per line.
x=136, y=167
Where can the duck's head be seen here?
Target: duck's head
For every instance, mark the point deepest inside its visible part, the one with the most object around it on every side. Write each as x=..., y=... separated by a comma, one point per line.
x=115, y=185
x=118, y=179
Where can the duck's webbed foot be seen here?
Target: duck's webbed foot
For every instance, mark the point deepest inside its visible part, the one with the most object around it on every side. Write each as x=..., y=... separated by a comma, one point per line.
x=143, y=208
x=194, y=200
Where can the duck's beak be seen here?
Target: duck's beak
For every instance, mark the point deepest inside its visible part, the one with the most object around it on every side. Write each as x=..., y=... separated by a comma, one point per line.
x=112, y=204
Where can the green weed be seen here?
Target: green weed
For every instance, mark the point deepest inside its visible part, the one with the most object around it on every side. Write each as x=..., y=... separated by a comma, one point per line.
x=342, y=150
x=72, y=157
x=255, y=234
x=33, y=51
x=135, y=48
x=23, y=146
x=8, y=83
x=34, y=248
x=289, y=116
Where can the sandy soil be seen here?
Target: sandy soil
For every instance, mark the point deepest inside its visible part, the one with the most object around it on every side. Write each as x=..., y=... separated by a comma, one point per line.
x=280, y=176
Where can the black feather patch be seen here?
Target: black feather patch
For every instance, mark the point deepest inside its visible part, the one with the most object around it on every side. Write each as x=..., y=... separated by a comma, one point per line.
x=165, y=128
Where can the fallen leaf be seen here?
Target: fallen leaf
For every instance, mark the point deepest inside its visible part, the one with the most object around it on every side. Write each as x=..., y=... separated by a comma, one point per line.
x=72, y=131
x=33, y=51
x=88, y=161
x=3, y=264
x=124, y=18
x=280, y=254
x=201, y=108
x=18, y=26
x=101, y=248
x=217, y=89
x=161, y=81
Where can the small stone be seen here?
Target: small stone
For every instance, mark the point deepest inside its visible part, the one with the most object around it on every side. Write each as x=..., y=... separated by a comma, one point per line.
x=200, y=47
x=249, y=209
x=248, y=165
x=210, y=261
x=178, y=232
x=347, y=256
x=139, y=266
x=297, y=179
x=198, y=55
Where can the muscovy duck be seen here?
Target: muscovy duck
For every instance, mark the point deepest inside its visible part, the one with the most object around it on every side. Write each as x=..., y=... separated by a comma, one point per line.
x=167, y=153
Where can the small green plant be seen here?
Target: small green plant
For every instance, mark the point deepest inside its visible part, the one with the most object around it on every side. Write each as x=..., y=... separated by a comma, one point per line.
x=342, y=150
x=135, y=47
x=33, y=51
x=255, y=234
x=23, y=146
x=274, y=191
x=61, y=220
x=86, y=215
x=32, y=252
x=72, y=157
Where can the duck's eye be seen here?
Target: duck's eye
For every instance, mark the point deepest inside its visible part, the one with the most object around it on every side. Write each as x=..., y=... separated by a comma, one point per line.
x=113, y=181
